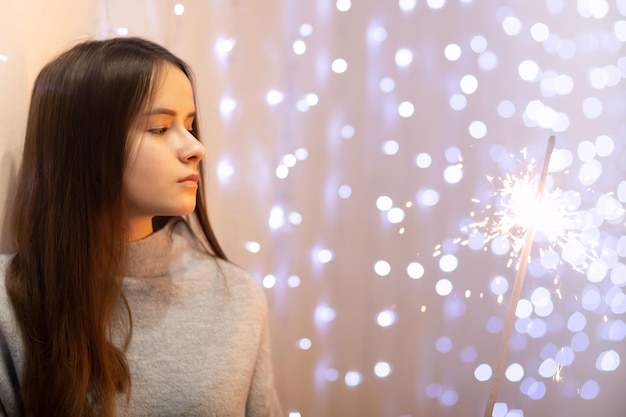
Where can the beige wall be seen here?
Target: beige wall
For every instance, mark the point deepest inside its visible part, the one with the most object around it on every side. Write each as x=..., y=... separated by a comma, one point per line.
x=31, y=33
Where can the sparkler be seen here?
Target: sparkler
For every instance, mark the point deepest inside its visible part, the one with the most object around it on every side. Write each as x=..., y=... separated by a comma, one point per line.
x=526, y=245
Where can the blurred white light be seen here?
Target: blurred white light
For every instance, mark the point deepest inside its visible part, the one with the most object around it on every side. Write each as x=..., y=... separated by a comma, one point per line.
x=387, y=85
x=277, y=218
x=325, y=314
x=597, y=271
x=339, y=65
x=224, y=170
x=539, y=32
x=604, y=145
x=325, y=256
x=331, y=374
x=514, y=372
x=499, y=285
x=448, y=263
x=290, y=160
x=386, y=318
x=382, y=369
x=382, y=268
x=384, y=203
x=406, y=109
x=294, y=414
x=453, y=154
x=423, y=160
x=589, y=172
x=179, y=9
x=566, y=49
x=613, y=74
x=343, y=5
x=443, y=344
x=312, y=99
x=353, y=378
x=597, y=77
x=468, y=84
x=477, y=129
x=274, y=97
x=119, y=31
x=501, y=410
x=415, y=270
x=391, y=147
x=500, y=245
x=429, y=197
x=347, y=131
x=227, y=106
x=548, y=368
x=608, y=361
x=282, y=171
x=511, y=25
x=478, y=44
x=528, y=70
x=555, y=6
x=395, y=215
x=303, y=106
x=483, y=372
x=488, y=61
x=293, y=281
x=443, y=287
x=544, y=116
x=592, y=107
x=453, y=174
x=436, y=4
x=294, y=218
x=224, y=45
x=620, y=30
x=404, y=57
x=452, y=52
x=563, y=84
x=592, y=8
x=269, y=281
x=305, y=343
x=506, y=109
x=299, y=47
x=524, y=309
x=306, y=29
x=458, y=102
x=377, y=34
x=252, y=247
x=344, y=191
x=433, y=391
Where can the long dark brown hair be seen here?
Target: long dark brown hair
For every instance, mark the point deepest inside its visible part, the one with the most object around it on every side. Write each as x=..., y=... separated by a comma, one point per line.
x=68, y=225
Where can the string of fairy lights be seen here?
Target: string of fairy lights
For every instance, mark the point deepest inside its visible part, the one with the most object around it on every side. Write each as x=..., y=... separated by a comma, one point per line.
x=448, y=168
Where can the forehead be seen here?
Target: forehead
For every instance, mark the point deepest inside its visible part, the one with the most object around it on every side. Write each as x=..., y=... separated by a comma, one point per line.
x=172, y=89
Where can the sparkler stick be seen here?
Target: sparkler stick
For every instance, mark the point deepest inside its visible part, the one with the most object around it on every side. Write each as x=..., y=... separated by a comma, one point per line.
x=517, y=289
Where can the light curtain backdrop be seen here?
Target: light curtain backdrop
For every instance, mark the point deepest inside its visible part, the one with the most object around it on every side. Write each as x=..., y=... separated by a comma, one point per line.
x=347, y=140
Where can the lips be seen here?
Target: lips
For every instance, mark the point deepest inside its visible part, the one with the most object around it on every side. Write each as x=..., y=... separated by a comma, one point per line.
x=191, y=178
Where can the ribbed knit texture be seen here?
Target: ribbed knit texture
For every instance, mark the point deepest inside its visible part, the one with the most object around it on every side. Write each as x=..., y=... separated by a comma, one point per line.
x=200, y=344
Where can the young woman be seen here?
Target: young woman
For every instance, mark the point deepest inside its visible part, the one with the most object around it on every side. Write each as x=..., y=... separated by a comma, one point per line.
x=118, y=300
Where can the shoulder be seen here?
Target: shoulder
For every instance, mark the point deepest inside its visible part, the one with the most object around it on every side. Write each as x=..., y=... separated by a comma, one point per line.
x=11, y=349
x=241, y=285
x=5, y=259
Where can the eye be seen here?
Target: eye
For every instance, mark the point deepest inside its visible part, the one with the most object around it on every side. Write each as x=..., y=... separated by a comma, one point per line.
x=158, y=130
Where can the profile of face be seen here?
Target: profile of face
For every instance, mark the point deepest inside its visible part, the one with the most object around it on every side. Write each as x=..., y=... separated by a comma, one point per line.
x=161, y=176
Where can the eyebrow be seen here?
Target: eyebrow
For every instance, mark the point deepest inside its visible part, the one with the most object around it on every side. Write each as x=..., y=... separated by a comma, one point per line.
x=168, y=112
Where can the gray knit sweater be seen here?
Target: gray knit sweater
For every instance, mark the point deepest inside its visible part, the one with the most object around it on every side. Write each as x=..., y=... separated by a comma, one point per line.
x=200, y=343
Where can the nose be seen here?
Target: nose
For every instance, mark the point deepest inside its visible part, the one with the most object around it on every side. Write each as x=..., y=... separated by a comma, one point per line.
x=191, y=149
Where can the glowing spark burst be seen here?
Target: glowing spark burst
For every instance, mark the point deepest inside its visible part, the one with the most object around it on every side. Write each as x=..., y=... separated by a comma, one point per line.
x=558, y=377
x=554, y=215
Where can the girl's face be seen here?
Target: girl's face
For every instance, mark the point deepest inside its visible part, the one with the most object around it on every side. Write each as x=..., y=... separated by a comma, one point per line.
x=161, y=178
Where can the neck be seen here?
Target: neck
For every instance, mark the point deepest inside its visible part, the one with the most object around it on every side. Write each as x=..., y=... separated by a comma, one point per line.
x=139, y=228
